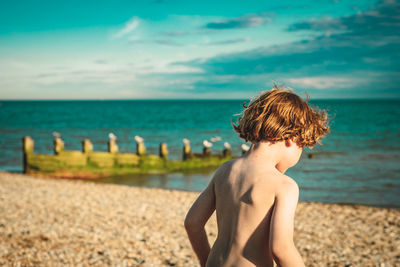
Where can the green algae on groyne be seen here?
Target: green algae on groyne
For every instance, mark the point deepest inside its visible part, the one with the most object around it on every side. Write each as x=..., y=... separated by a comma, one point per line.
x=89, y=164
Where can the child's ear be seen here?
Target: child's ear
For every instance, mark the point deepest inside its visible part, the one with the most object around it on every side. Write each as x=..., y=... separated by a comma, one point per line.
x=288, y=142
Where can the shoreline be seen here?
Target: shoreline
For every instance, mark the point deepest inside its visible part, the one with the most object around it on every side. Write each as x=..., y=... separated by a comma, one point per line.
x=96, y=180
x=45, y=221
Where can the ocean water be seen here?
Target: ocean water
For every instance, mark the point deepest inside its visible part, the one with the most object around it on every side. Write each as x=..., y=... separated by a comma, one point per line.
x=357, y=163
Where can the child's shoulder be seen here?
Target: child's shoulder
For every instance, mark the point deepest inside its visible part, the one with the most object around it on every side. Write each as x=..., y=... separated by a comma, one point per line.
x=287, y=187
x=226, y=169
x=227, y=165
x=287, y=181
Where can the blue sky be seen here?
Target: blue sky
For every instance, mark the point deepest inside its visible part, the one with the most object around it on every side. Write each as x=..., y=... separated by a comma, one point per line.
x=198, y=49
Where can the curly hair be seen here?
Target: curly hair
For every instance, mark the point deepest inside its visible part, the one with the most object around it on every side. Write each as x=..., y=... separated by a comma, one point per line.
x=280, y=114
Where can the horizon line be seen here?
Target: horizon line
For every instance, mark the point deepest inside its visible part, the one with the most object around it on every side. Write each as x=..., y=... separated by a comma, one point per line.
x=183, y=99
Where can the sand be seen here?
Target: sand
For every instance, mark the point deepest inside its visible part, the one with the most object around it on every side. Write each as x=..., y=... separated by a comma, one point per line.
x=55, y=222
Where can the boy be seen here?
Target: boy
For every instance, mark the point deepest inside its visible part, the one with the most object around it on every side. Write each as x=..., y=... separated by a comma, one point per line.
x=254, y=201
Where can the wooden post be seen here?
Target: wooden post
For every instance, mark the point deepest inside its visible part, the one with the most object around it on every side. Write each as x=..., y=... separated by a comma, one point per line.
x=58, y=145
x=206, y=148
x=227, y=150
x=206, y=151
x=87, y=146
x=27, y=148
x=140, y=147
x=112, y=146
x=187, y=153
x=163, y=151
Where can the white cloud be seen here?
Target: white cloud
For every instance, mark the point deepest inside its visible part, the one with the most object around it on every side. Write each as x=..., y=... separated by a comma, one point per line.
x=130, y=25
x=247, y=21
x=114, y=78
x=171, y=69
x=322, y=82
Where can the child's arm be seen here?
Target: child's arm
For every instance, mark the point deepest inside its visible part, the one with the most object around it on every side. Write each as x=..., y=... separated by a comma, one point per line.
x=282, y=225
x=196, y=219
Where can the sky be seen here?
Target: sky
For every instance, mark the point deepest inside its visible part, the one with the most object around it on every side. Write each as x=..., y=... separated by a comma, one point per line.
x=171, y=49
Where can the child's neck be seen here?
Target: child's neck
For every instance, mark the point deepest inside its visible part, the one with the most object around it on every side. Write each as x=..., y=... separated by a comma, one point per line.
x=268, y=154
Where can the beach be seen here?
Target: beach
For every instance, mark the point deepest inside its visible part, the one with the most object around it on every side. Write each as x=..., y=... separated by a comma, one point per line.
x=58, y=222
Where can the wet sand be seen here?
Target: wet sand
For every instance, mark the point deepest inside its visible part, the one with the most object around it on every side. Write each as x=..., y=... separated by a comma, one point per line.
x=54, y=222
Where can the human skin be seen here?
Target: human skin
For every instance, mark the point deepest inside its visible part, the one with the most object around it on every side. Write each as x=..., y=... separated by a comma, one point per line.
x=255, y=205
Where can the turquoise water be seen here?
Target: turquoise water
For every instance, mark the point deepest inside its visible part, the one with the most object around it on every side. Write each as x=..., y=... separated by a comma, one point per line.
x=358, y=162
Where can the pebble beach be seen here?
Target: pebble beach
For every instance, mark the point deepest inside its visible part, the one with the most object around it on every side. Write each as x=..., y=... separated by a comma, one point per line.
x=58, y=222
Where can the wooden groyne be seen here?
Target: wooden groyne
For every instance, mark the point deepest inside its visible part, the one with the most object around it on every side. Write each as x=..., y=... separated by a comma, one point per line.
x=88, y=163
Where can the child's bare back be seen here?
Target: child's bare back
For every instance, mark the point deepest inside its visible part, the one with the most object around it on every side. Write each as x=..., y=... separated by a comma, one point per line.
x=254, y=200
x=244, y=205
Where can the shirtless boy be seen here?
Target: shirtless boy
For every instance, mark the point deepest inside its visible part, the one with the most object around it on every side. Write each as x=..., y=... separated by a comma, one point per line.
x=254, y=200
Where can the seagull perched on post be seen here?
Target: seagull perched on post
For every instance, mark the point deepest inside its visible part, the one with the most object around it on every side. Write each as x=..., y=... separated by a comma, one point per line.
x=139, y=139
x=227, y=145
x=112, y=137
x=56, y=134
x=245, y=147
x=206, y=143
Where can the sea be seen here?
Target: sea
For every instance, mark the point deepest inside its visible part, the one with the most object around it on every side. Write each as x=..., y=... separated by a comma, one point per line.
x=357, y=163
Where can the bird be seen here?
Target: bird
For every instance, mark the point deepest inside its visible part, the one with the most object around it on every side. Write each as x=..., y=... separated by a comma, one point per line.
x=56, y=134
x=112, y=137
x=215, y=139
x=186, y=141
x=139, y=139
x=227, y=145
x=245, y=147
x=206, y=143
